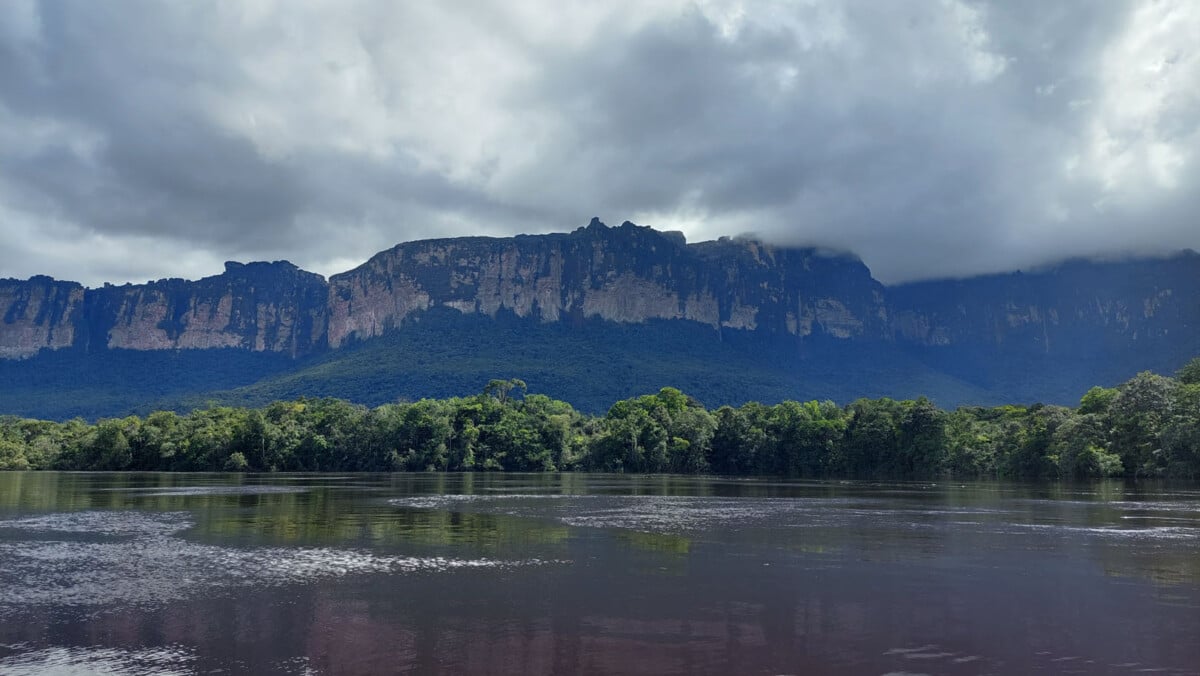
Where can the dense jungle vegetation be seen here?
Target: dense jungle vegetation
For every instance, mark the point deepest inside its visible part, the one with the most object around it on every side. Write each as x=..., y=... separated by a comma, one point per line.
x=1148, y=426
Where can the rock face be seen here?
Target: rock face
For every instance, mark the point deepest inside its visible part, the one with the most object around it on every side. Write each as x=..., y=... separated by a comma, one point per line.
x=39, y=314
x=625, y=275
x=1076, y=307
x=272, y=307
x=628, y=274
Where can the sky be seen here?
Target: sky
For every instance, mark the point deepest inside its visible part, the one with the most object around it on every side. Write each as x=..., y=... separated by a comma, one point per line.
x=142, y=140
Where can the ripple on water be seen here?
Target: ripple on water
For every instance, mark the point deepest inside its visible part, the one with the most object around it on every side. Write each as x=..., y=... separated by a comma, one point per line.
x=96, y=660
x=150, y=564
x=112, y=523
x=452, y=500
x=667, y=515
x=1186, y=533
x=164, y=661
x=646, y=513
x=184, y=491
x=683, y=514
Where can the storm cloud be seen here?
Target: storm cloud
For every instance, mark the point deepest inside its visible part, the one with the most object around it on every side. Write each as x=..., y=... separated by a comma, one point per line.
x=141, y=140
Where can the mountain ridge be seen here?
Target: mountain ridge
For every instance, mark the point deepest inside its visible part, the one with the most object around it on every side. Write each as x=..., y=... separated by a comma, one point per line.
x=1036, y=334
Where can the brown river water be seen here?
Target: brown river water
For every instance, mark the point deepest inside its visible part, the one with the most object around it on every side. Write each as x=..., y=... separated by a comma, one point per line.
x=589, y=573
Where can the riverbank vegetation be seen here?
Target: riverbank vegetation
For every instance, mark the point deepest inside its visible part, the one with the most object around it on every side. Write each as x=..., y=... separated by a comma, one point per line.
x=1148, y=426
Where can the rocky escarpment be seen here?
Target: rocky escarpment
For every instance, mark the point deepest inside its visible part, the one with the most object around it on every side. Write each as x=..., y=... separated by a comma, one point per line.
x=272, y=307
x=1076, y=307
x=625, y=275
x=39, y=314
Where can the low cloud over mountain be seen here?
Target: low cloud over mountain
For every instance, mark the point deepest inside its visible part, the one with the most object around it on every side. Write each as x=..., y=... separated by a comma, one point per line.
x=144, y=139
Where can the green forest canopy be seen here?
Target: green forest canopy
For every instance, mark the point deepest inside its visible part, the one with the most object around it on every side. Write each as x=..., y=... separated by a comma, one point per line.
x=1148, y=426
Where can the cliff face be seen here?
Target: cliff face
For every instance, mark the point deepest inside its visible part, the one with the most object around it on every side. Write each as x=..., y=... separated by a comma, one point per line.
x=1076, y=307
x=39, y=314
x=273, y=307
x=628, y=274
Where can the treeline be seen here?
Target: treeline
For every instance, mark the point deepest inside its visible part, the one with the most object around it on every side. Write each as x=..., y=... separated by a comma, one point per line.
x=1146, y=427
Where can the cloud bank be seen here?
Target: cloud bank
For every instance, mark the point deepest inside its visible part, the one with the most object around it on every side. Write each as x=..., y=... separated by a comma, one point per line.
x=141, y=140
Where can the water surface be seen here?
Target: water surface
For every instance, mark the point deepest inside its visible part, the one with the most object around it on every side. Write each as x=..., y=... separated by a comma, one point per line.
x=445, y=573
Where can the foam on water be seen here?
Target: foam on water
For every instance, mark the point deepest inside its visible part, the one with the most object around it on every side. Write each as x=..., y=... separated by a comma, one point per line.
x=1147, y=533
x=149, y=564
x=646, y=513
x=946, y=660
x=211, y=490
x=166, y=661
x=454, y=500
x=101, y=661
x=111, y=523
x=684, y=514
x=667, y=515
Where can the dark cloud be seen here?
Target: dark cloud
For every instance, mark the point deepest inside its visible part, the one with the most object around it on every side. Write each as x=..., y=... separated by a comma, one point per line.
x=145, y=139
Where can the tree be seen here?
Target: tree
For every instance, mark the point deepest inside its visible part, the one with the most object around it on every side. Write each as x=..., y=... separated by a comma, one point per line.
x=109, y=449
x=1097, y=400
x=922, y=439
x=1180, y=436
x=502, y=389
x=236, y=462
x=1024, y=437
x=691, y=432
x=12, y=455
x=970, y=443
x=739, y=439
x=1079, y=445
x=871, y=442
x=1140, y=411
x=422, y=437
x=157, y=442
x=1190, y=373
x=805, y=438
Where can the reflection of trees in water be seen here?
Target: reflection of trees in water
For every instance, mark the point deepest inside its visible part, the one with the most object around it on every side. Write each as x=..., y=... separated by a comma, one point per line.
x=1163, y=566
x=322, y=518
x=1110, y=523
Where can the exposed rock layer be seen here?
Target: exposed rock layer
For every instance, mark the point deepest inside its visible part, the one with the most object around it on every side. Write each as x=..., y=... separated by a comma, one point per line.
x=628, y=274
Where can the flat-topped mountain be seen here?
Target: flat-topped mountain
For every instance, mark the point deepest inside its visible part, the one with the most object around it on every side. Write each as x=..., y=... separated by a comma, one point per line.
x=807, y=316
x=628, y=274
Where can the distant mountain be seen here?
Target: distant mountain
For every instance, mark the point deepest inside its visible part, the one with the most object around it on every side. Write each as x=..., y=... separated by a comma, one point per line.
x=591, y=316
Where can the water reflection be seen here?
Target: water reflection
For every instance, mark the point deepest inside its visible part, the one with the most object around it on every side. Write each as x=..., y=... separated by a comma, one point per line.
x=596, y=574
x=166, y=661
x=100, y=559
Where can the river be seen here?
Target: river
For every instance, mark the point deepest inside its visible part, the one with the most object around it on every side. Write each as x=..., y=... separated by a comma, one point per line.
x=590, y=573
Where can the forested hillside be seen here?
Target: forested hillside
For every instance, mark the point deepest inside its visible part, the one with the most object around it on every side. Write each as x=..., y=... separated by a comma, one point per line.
x=1148, y=426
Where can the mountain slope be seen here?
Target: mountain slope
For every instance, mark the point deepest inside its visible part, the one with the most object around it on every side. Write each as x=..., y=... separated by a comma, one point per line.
x=592, y=316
